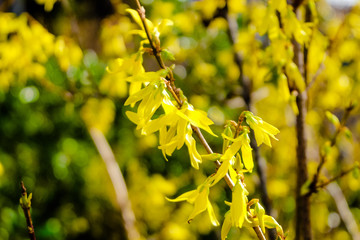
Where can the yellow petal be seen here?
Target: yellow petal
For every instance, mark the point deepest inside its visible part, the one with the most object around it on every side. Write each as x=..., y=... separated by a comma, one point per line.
x=137, y=96
x=232, y=150
x=221, y=172
x=185, y=196
x=196, y=118
x=226, y=226
x=193, y=153
x=147, y=76
x=270, y=129
x=246, y=152
x=212, y=216
x=133, y=117
x=238, y=206
x=154, y=125
x=200, y=204
x=135, y=15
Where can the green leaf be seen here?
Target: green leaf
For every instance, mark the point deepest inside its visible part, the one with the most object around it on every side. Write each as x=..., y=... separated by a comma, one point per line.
x=270, y=222
x=356, y=172
x=326, y=148
x=54, y=72
x=167, y=55
x=260, y=213
x=305, y=187
x=227, y=133
x=333, y=119
x=347, y=133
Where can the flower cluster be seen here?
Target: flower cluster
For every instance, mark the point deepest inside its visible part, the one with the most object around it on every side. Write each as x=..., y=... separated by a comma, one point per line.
x=26, y=47
x=159, y=109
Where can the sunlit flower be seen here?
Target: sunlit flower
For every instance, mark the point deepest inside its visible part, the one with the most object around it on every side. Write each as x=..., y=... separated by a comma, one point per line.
x=263, y=130
x=238, y=208
x=200, y=199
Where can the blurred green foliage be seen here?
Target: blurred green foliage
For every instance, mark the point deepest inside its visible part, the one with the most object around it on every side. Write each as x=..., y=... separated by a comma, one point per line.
x=52, y=65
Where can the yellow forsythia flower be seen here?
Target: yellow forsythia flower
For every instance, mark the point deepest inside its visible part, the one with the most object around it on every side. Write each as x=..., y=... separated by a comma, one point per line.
x=200, y=199
x=238, y=208
x=263, y=130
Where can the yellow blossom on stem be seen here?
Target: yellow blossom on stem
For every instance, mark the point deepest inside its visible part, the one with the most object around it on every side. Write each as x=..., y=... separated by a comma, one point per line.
x=200, y=199
x=263, y=130
x=238, y=208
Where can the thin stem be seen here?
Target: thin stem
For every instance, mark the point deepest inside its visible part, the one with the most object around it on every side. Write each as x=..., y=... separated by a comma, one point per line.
x=117, y=179
x=156, y=49
x=313, y=187
x=25, y=205
x=303, y=223
x=259, y=233
x=333, y=179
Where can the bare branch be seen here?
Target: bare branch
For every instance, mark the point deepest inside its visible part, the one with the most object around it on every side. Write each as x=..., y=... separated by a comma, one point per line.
x=313, y=187
x=333, y=179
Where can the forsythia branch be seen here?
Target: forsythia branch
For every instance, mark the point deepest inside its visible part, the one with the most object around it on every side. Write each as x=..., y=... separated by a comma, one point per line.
x=313, y=187
x=25, y=203
x=333, y=179
x=171, y=87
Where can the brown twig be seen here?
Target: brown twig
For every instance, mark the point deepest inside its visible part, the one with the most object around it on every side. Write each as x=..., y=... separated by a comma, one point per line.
x=333, y=179
x=259, y=233
x=25, y=203
x=171, y=87
x=303, y=223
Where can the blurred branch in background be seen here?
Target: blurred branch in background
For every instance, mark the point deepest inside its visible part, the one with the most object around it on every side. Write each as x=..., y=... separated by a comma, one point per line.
x=343, y=209
x=118, y=182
